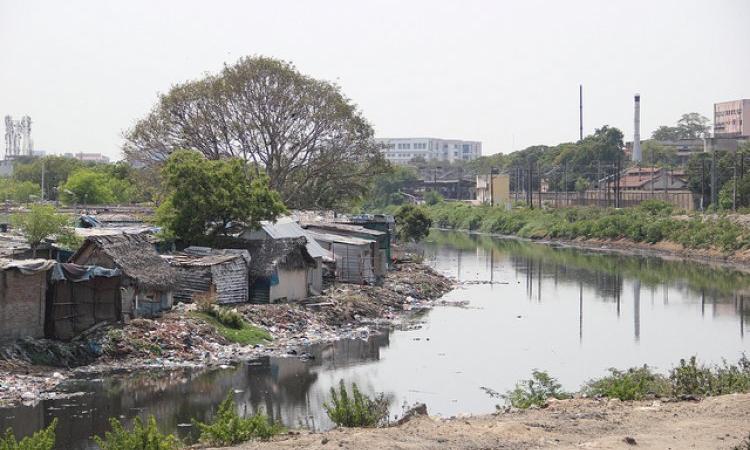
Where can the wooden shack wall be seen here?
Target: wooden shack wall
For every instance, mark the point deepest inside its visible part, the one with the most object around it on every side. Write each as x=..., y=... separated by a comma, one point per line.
x=191, y=281
x=75, y=307
x=231, y=280
x=22, y=304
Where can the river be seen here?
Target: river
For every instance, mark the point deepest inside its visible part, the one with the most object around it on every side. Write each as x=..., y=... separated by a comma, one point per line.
x=571, y=312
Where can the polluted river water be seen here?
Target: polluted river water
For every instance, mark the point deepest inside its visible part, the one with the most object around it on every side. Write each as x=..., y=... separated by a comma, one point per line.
x=571, y=312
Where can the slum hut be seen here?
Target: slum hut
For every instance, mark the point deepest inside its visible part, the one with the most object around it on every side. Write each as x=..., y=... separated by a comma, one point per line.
x=355, y=257
x=382, y=252
x=80, y=297
x=147, y=280
x=279, y=268
x=22, y=297
x=202, y=270
x=378, y=222
x=288, y=228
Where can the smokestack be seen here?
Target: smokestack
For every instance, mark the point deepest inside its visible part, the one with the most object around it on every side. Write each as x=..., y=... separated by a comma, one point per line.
x=637, y=134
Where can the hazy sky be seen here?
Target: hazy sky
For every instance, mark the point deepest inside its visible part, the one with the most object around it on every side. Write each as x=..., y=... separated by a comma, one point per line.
x=503, y=72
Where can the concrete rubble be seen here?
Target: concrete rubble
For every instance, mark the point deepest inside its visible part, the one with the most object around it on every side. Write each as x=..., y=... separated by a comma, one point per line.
x=31, y=369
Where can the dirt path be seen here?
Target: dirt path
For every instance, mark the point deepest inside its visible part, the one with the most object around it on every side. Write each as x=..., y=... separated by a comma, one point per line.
x=714, y=423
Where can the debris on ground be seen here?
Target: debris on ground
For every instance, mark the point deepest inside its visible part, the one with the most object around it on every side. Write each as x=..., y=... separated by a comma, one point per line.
x=180, y=339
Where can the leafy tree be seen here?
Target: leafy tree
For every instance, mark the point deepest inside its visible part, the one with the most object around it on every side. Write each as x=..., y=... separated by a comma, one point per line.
x=693, y=125
x=413, y=223
x=657, y=154
x=18, y=191
x=88, y=186
x=432, y=198
x=205, y=196
x=56, y=172
x=39, y=223
x=312, y=142
x=387, y=188
x=690, y=126
x=665, y=133
x=582, y=184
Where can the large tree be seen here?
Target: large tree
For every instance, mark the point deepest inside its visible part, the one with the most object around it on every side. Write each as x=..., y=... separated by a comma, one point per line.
x=205, y=196
x=312, y=142
x=690, y=126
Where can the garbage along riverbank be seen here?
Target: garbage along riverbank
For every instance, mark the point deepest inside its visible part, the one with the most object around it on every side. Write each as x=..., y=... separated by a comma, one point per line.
x=30, y=369
x=721, y=422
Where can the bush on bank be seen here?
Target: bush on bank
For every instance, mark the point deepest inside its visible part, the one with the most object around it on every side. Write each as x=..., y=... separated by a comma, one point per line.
x=653, y=221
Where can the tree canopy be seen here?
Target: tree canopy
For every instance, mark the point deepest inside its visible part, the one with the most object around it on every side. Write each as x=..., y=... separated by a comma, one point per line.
x=689, y=126
x=312, y=142
x=205, y=196
x=40, y=222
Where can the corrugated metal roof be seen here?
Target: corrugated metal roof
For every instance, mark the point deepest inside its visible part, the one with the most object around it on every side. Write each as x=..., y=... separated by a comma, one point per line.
x=344, y=227
x=286, y=227
x=330, y=237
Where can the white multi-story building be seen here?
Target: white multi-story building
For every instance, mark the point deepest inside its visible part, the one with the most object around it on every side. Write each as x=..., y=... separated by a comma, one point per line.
x=403, y=150
x=88, y=157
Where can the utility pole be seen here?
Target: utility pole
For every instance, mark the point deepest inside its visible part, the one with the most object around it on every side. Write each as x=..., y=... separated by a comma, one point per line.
x=703, y=180
x=530, y=192
x=539, y=171
x=518, y=181
x=492, y=188
x=580, y=111
x=42, y=179
x=734, y=181
x=565, y=181
x=714, y=191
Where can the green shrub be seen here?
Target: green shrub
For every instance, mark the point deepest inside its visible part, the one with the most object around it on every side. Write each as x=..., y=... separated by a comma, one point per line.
x=357, y=410
x=141, y=437
x=41, y=440
x=228, y=428
x=691, y=378
x=227, y=317
x=636, y=383
x=535, y=391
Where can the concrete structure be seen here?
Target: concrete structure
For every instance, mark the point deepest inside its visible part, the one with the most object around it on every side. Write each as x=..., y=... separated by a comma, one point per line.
x=653, y=179
x=403, y=150
x=637, y=130
x=496, y=193
x=732, y=119
x=88, y=157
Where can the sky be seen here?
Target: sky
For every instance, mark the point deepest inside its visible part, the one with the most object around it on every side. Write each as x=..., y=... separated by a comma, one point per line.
x=502, y=72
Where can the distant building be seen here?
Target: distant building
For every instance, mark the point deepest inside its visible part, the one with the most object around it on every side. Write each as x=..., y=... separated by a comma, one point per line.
x=493, y=189
x=403, y=150
x=732, y=119
x=88, y=157
x=653, y=179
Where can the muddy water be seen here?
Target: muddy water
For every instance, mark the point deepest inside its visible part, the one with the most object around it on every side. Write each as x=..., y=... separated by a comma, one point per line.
x=571, y=312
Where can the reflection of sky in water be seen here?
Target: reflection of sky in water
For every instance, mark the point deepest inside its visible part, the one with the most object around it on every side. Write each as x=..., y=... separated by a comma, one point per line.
x=569, y=312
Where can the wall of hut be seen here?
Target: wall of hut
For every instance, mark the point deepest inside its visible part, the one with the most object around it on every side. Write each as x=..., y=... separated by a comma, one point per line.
x=22, y=304
x=292, y=285
x=75, y=307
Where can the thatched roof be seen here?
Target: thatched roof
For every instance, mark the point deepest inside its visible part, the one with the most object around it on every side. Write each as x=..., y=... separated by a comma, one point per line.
x=267, y=254
x=135, y=255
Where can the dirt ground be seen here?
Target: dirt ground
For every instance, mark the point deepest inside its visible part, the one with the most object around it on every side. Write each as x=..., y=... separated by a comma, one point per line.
x=714, y=423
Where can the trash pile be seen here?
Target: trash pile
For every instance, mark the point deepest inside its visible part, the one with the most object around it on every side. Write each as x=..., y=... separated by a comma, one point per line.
x=182, y=339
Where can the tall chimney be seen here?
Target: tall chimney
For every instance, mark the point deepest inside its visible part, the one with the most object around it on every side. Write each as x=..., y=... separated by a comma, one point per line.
x=637, y=134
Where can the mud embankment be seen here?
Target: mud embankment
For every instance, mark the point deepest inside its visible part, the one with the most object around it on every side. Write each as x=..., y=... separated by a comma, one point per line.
x=31, y=369
x=713, y=423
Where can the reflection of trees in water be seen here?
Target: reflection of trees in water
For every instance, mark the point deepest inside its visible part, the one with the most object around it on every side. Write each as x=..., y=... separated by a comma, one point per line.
x=602, y=272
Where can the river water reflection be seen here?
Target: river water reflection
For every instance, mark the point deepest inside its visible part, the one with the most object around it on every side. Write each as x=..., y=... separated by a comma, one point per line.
x=571, y=312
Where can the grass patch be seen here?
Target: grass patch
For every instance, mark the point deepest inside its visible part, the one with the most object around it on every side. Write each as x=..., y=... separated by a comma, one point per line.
x=246, y=335
x=692, y=378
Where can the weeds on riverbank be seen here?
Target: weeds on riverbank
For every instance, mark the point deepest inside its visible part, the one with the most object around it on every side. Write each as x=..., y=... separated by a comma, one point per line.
x=246, y=334
x=41, y=440
x=652, y=221
x=688, y=379
x=357, y=409
x=637, y=383
x=228, y=428
x=535, y=391
x=141, y=437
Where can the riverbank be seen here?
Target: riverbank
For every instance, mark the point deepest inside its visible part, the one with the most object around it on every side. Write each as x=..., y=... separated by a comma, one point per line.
x=30, y=370
x=654, y=229
x=716, y=422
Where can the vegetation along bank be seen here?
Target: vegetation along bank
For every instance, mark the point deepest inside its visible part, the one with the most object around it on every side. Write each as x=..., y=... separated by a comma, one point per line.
x=654, y=226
